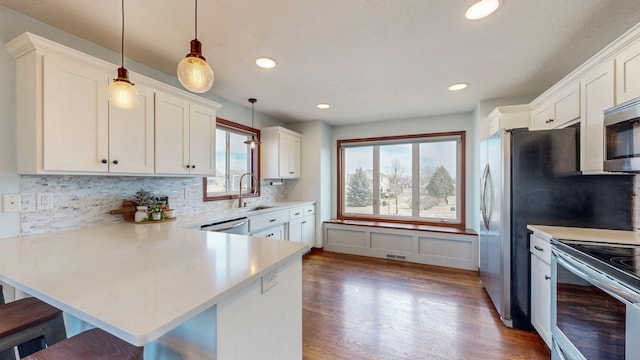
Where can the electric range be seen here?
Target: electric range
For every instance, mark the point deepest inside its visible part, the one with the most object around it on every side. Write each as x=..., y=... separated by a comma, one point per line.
x=620, y=261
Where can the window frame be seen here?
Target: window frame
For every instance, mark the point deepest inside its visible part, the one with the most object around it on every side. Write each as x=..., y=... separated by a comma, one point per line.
x=400, y=139
x=255, y=163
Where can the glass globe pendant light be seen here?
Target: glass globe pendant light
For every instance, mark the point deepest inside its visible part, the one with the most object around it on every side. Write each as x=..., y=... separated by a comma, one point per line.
x=193, y=71
x=121, y=92
x=253, y=142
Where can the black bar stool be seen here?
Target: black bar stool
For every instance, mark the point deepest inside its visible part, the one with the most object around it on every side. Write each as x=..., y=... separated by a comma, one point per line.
x=29, y=324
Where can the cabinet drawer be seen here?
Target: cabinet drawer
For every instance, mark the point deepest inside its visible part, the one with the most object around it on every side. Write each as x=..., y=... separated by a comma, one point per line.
x=309, y=210
x=267, y=220
x=540, y=248
x=296, y=213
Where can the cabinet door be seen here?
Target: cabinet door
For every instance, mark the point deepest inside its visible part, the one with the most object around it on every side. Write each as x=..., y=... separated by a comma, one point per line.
x=597, y=95
x=75, y=116
x=289, y=156
x=202, y=137
x=542, y=117
x=172, y=135
x=131, y=136
x=541, y=298
x=295, y=230
x=309, y=230
x=294, y=156
x=566, y=106
x=628, y=74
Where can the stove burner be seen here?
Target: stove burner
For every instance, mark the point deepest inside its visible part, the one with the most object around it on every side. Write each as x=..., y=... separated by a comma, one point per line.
x=625, y=259
x=627, y=262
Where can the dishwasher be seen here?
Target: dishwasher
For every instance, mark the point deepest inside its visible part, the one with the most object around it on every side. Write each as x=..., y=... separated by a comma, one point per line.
x=234, y=226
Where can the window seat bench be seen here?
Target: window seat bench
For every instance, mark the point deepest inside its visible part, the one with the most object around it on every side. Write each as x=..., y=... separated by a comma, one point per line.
x=433, y=245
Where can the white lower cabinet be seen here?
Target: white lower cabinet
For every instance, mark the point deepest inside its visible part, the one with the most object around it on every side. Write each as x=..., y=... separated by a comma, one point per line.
x=271, y=225
x=302, y=225
x=540, y=250
x=277, y=233
x=303, y=230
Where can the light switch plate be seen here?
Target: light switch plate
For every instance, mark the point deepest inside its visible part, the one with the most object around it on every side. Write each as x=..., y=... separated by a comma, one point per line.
x=11, y=203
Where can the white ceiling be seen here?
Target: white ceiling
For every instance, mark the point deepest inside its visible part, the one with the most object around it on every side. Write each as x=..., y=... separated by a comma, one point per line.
x=370, y=59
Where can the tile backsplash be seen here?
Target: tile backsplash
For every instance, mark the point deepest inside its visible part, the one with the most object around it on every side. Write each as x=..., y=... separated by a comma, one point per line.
x=80, y=201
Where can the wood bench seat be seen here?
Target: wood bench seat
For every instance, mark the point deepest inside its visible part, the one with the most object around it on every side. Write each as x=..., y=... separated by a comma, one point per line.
x=94, y=344
x=29, y=324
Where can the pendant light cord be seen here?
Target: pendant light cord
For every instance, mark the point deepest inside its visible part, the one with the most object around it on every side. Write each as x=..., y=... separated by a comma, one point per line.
x=122, y=38
x=196, y=22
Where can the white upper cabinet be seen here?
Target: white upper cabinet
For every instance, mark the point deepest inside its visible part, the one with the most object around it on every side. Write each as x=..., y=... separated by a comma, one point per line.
x=280, y=153
x=185, y=137
x=561, y=107
x=628, y=74
x=131, y=136
x=597, y=95
x=202, y=139
x=65, y=124
x=509, y=117
x=75, y=118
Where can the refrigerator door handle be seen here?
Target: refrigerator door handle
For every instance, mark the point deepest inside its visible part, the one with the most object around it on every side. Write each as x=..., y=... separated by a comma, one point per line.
x=483, y=197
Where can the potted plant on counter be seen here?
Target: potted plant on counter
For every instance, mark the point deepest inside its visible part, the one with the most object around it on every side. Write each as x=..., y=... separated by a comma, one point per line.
x=144, y=200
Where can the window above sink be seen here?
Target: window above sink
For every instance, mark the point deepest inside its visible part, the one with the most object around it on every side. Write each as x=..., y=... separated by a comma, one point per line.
x=233, y=158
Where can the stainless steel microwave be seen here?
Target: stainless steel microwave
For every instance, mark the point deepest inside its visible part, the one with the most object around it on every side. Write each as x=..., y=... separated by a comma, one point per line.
x=622, y=137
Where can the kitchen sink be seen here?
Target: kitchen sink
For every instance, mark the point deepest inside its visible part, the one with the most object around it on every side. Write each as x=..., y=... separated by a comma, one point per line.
x=256, y=208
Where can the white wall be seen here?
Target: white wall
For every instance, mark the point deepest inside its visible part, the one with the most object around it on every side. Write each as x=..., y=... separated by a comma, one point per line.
x=315, y=181
x=442, y=123
x=13, y=24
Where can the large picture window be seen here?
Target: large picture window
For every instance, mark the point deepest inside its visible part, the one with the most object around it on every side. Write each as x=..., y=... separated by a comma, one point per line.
x=415, y=179
x=233, y=159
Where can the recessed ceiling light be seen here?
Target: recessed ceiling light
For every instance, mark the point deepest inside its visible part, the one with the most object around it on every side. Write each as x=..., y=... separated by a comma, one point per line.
x=323, y=106
x=456, y=87
x=266, y=63
x=482, y=8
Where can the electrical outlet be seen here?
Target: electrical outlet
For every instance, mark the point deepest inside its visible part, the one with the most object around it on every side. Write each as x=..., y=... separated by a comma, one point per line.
x=269, y=281
x=187, y=193
x=11, y=203
x=44, y=201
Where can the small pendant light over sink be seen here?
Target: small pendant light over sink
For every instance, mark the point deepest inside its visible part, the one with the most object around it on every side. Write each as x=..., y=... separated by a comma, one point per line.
x=121, y=92
x=253, y=142
x=193, y=71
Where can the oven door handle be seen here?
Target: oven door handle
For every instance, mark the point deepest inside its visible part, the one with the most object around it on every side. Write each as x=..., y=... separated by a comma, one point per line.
x=558, y=351
x=597, y=279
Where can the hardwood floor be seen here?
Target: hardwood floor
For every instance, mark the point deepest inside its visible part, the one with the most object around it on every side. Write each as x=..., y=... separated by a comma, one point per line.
x=364, y=308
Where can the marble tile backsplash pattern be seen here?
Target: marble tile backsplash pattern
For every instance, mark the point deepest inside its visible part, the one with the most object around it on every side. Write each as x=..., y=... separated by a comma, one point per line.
x=80, y=201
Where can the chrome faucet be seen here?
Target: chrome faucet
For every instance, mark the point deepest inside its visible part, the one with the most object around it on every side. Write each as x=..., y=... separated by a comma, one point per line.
x=240, y=203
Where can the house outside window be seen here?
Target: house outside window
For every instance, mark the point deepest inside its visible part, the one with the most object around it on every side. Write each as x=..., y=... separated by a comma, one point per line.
x=416, y=179
x=233, y=158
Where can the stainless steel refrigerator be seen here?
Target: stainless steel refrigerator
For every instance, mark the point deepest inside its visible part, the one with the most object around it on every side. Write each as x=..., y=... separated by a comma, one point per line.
x=532, y=177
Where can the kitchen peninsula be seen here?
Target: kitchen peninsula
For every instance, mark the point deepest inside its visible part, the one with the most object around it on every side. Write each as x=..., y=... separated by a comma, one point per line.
x=182, y=293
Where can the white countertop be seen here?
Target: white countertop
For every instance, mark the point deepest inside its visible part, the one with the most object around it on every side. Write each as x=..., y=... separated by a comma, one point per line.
x=138, y=281
x=585, y=234
x=195, y=221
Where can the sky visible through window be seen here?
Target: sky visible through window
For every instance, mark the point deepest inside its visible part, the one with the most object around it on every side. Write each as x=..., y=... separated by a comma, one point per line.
x=432, y=155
